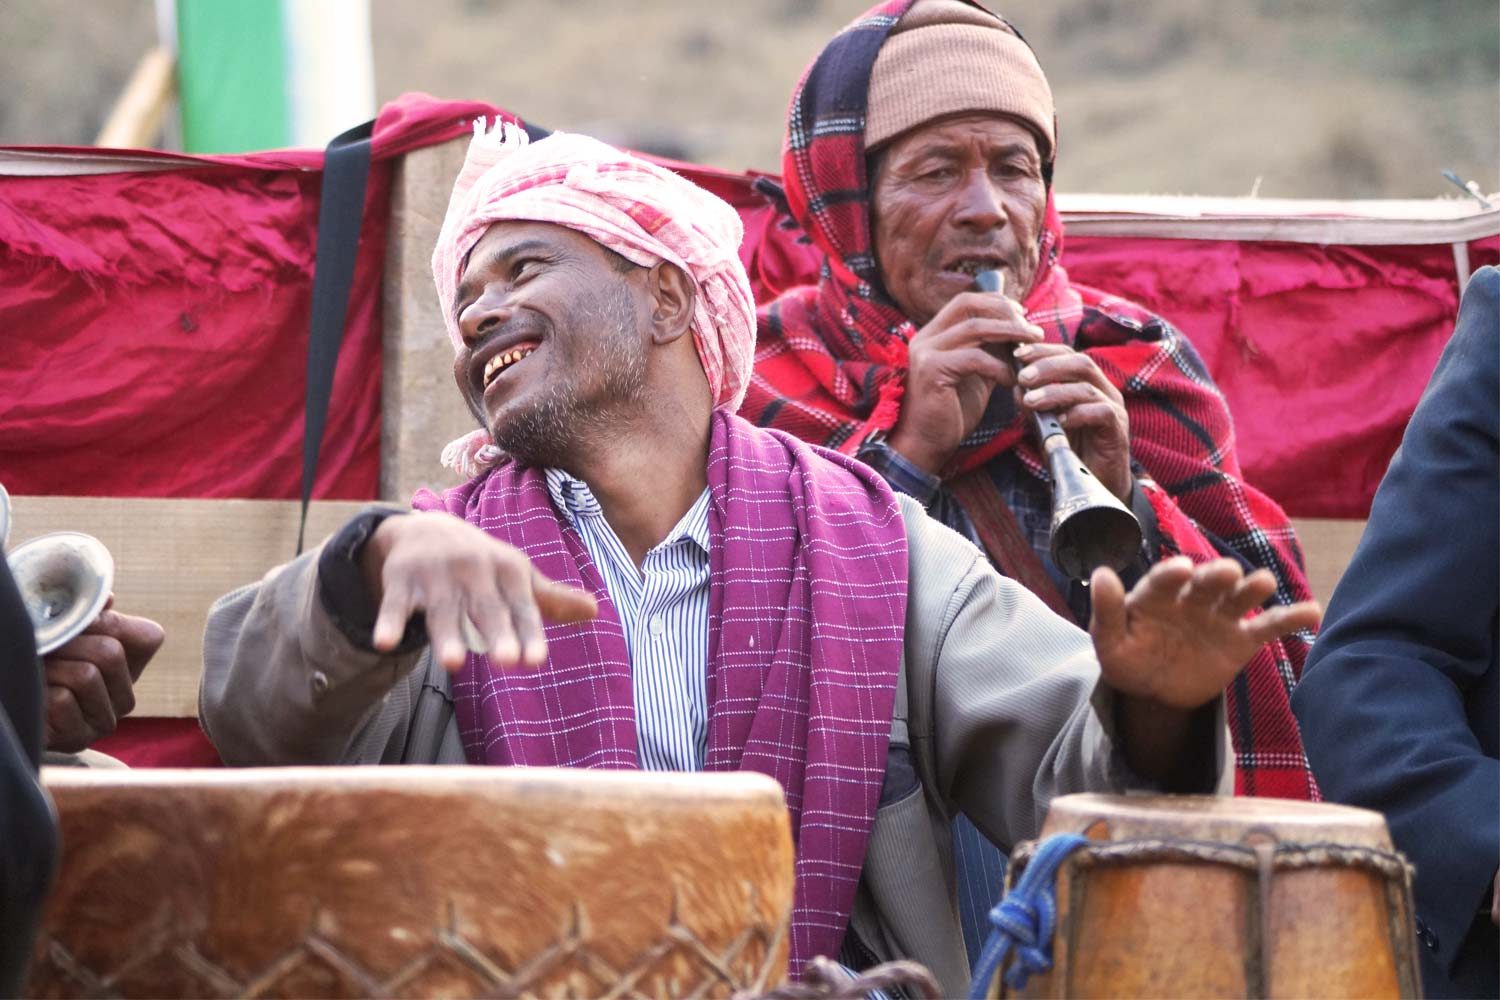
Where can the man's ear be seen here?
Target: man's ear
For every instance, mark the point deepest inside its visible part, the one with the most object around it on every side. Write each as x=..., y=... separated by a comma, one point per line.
x=672, y=300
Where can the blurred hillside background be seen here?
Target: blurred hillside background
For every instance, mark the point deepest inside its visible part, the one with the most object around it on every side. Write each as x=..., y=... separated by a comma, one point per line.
x=1290, y=98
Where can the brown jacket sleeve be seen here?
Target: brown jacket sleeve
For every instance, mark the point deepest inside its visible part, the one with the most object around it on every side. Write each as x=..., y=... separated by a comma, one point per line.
x=282, y=684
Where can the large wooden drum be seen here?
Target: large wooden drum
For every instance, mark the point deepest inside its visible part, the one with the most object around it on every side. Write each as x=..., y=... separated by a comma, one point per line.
x=1188, y=896
x=413, y=881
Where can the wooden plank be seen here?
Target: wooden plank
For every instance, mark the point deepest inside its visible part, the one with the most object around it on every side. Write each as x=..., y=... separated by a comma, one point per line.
x=1327, y=545
x=1081, y=203
x=136, y=118
x=421, y=409
x=173, y=559
x=1383, y=222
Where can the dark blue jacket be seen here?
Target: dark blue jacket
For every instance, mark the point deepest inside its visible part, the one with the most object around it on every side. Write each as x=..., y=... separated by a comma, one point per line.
x=1400, y=700
x=28, y=835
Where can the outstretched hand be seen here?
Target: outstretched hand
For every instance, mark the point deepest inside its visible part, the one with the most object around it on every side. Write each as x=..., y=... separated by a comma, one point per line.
x=1179, y=637
x=455, y=573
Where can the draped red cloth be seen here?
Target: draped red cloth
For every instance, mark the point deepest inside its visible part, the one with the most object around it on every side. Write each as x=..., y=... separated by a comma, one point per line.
x=155, y=326
x=156, y=322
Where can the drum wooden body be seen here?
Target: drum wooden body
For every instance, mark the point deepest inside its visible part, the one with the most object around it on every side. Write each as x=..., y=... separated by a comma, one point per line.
x=1190, y=896
x=411, y=881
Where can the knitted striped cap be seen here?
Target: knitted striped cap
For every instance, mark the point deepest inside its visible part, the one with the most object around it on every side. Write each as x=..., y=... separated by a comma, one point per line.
x=945, y=57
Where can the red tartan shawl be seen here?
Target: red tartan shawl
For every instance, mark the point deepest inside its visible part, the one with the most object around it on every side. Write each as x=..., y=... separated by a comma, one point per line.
x=831, y=359
x=807, y=609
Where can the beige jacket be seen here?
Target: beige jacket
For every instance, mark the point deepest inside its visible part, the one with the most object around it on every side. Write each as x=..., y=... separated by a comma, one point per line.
x=999, y=708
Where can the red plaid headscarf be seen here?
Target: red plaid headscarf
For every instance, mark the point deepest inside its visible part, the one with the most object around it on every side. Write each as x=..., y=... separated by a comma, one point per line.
x=831, y=363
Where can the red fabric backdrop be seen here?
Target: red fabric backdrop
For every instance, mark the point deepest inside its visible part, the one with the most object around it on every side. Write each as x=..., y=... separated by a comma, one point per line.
x=155, y=327
x=1322, y=352
x=156, y=321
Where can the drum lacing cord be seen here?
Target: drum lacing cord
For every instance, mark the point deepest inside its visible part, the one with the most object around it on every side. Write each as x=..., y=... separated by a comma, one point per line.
x=1023, y=920
x=1027, y=913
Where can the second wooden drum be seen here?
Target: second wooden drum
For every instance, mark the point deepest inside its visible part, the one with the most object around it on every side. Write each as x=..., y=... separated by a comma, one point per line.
x=1188, y=896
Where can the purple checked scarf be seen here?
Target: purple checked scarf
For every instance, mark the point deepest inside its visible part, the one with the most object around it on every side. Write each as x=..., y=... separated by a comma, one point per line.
x=807, y=606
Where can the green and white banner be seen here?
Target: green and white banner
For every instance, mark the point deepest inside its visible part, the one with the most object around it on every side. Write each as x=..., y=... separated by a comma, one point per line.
x=264, y=74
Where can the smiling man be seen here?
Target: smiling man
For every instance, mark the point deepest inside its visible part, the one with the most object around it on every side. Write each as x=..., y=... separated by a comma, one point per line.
x=920, y=151
x=633, y=576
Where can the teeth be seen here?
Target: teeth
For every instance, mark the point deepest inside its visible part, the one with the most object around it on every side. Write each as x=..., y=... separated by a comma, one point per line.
x=500, y=362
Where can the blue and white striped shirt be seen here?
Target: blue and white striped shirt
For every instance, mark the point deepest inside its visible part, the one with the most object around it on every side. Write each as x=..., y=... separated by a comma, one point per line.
x=663, y=610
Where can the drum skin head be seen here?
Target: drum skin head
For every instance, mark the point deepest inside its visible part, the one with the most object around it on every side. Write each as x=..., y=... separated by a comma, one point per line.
x=1213, y=817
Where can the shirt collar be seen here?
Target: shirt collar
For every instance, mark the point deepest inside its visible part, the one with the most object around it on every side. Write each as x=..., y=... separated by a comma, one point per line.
x=574, y=500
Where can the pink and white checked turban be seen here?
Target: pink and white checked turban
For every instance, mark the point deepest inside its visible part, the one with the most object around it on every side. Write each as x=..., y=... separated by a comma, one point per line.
x=642, y=212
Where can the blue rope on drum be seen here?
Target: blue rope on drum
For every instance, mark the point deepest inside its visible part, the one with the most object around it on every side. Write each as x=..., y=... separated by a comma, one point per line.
x=1023, y=920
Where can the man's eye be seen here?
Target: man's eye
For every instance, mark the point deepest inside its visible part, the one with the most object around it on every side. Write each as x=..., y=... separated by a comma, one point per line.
x=937, y=174
x=524, y=269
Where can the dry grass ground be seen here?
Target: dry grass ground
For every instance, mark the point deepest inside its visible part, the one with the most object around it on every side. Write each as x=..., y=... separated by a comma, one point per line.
x=1314, y=98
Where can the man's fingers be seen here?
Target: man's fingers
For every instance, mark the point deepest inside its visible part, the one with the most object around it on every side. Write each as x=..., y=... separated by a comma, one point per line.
x=66, y=729
x=561, y=603
x=969, y=361
x=1158, y=589
x=979, y=331
x=82, y=683
x=1250, y=593
x=1097, y=415
x=1210, y=584
x=1273, y=623
x=1066, y=396
x=505, y=641
x=396, y=608
x=1058, y=364
x=445, y=633
x=1107, y=597
x=529, y=630
x=140, y=637
x=976, y=305
x=492, y=620
x=107, y=655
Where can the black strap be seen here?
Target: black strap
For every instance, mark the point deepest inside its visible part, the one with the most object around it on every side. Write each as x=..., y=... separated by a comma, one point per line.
x=341, y=212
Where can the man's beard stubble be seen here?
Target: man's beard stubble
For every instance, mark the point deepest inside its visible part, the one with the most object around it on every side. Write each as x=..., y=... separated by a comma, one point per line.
x=596, y=401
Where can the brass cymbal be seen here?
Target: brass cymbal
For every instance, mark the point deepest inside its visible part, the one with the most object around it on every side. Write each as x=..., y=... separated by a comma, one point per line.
x=65, y=579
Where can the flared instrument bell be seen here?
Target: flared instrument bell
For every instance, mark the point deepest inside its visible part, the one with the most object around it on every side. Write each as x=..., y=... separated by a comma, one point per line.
x=65, y=580
x=1090, y=526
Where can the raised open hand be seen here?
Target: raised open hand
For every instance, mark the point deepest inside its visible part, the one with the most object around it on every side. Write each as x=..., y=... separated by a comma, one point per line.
x=1181, y=634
